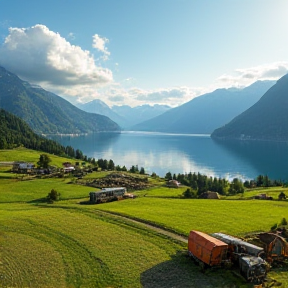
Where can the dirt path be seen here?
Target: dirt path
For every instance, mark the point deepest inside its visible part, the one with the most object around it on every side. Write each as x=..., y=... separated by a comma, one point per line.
x=150, y=226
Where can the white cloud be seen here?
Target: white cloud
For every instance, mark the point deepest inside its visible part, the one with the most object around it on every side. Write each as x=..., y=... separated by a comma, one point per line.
x=99, y=44
x=247, y=76
x=118, y=95
x=42, y=56
x=71, y=36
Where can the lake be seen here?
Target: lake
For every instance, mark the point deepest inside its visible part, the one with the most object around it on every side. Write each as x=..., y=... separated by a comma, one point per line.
x=161, y=153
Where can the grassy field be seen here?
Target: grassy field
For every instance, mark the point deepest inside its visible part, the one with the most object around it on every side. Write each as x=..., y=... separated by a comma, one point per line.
x=66, y=244
x=27, y=155
x=227, y=216
x=54, y=247
x=16, y=190
x=249, y=193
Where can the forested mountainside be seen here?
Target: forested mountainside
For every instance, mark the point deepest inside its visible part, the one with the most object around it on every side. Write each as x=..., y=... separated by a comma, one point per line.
x=205, y=113
x=46, y=112
x=15, y=132
x=266, y=120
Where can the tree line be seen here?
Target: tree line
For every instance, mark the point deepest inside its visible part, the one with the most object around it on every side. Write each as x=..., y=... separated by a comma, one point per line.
x=203, y=183
x=16, y=133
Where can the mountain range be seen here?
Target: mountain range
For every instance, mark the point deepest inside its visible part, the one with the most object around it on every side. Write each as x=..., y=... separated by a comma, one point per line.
x=258, y=111
x=45, y=112
x=125, y=115
x=265, y=120
x=205, y=113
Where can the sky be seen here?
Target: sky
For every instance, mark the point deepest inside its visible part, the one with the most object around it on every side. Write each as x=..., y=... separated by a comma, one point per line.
x=135, y=52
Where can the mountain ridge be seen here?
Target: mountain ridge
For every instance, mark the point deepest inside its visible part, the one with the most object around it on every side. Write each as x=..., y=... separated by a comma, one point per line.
x=46, y=112
x=266, y=120
x=125, y=116
x=197, y=117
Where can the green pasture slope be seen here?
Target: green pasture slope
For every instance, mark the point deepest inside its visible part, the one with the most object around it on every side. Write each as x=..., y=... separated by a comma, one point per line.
x=66, y=244
x=23, y=154
x=182, y=215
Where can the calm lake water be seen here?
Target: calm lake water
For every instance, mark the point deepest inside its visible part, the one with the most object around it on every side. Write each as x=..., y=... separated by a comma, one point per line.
x=161, y=153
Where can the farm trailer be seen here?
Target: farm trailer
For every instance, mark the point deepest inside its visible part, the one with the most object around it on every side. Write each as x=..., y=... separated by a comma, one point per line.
x=210, y=251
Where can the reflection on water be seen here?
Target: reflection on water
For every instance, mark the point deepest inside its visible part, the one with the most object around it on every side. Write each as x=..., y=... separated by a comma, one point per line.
x=161, y=153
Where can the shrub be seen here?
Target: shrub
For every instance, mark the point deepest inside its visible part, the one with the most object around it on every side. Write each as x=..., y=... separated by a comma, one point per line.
x=188, y=193
x=53, y=196
x=274, y=227
x=284, y=222
x=282, y=196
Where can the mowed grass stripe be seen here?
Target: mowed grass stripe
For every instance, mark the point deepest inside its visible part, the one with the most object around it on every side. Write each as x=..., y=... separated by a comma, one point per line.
x=19, y=271
x=181, y=215
x=91, y=252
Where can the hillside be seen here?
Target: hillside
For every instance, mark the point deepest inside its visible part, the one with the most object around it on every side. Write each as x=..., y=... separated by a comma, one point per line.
x=46, y=112
x=207, y=112
x=15, y=132
x=266, y=120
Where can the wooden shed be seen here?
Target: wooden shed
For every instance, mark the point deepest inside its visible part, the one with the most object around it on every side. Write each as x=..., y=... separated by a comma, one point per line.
x=209, y=195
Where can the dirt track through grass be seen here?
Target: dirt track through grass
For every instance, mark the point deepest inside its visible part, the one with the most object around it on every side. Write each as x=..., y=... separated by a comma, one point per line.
x=155, y=228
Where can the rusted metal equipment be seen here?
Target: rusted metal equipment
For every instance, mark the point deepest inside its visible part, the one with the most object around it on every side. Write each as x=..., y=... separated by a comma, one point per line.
x=238, y=246
x=220, y=250
x=207, y=249
x=253, y=269
x=249, y=257
x=275, y=247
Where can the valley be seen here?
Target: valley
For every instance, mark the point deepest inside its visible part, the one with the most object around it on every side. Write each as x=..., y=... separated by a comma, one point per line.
x=66, y=244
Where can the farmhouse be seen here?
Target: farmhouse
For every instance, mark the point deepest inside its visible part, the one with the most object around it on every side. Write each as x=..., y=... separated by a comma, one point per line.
x=173, y=184
x=107, y=194
x=23, y=167
x=68, y=167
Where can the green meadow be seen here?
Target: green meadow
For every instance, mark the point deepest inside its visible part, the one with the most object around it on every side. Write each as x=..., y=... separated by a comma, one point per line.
x=66, y=244
x=23, y=154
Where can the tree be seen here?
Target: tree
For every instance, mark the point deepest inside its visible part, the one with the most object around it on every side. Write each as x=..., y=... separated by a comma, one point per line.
x=142, y=171
x=79, y=155
x=111, y=165
x=282, y=196
x=236, y=186
x=168, y=176
x=188, y=193
x=266, y=181
x=132, y=169
x=44, y=161
x=259, y=180
x=284, y=222
x=53, y=195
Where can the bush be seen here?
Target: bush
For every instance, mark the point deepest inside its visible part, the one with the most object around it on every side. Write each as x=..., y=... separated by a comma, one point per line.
x=282, y=196
x=284, y=222
x=188, y=193
x=274, y=227
x=53, y=196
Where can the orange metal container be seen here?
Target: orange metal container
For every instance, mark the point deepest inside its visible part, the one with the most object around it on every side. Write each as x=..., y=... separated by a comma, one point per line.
x=206, y=248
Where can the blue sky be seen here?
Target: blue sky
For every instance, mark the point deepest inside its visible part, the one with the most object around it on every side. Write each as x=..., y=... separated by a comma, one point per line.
x=143, y=51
